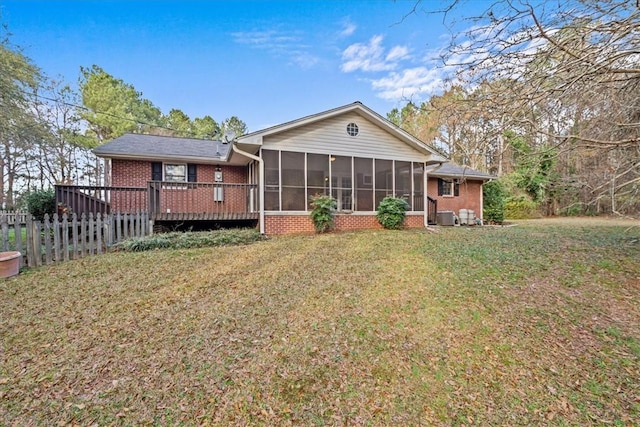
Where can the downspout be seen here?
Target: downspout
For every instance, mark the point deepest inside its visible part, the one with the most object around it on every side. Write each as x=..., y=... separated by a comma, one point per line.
x=260, y=182
x=482, y=203
x=425, y=197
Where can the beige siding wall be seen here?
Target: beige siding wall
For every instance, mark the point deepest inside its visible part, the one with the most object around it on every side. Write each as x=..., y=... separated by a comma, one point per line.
x=330, y=137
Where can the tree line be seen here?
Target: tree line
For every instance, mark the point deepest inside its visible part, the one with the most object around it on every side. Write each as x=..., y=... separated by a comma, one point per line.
x=47, y=129
x=546, y=96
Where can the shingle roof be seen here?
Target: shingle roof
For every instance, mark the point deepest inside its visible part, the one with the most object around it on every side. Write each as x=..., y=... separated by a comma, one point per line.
x=152, y=147
x=451, y=170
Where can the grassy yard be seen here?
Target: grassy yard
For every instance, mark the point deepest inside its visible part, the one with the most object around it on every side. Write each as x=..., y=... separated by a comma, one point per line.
x=537, y=324
x=11, y=237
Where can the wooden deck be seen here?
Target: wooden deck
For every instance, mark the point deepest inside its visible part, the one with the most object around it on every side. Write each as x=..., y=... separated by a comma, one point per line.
x=205, y=216
x=164, y=201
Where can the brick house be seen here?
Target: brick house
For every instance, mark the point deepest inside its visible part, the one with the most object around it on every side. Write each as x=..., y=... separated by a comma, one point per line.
x=456, y=187
x=265, y=178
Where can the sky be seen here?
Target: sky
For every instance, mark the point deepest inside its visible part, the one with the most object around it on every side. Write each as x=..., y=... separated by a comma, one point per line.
x=266, y=62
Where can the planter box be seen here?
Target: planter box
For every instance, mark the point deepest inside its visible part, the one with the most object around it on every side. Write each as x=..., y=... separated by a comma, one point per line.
x=9, y=263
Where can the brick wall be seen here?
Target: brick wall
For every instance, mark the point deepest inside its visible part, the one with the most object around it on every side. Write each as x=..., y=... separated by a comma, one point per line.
x=469, y=197
x=136, y=173
x=302, y=224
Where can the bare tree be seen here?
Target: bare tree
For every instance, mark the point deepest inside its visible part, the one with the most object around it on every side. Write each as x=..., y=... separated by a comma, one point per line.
x=59, y=156
x=566, y=75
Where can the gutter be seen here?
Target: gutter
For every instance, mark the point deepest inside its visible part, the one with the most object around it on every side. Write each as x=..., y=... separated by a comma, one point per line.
x=199, y=160
x=425, y=198
x=260, y=181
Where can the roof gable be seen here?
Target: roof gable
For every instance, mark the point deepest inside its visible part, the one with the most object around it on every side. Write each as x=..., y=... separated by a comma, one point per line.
x=330, y=136
x=356, y=108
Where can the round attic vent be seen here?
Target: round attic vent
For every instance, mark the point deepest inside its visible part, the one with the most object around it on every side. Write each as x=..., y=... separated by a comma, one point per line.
x=352, y=129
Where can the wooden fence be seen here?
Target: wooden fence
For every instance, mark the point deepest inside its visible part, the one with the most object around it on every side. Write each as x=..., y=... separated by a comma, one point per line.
x=11, y=217
x=57, y=239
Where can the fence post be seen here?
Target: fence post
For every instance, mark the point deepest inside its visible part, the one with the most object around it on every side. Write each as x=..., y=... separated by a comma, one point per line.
x=109, y=232
x=118, y=228
x=17, y=226
x=91, y=231
x=99, y=231
x=47, y=240
x=139, y=224
x=37, y=243
x=83, y=235
x=30, y=261
x=5, y=234
x=56, y=237
x=125, y=225
x=65, y=235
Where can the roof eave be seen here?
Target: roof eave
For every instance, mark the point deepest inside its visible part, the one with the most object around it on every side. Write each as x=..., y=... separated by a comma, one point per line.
x=186, y=159
x=464, y=176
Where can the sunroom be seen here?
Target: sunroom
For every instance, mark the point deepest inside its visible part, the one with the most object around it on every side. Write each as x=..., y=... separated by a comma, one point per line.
x=358, y=184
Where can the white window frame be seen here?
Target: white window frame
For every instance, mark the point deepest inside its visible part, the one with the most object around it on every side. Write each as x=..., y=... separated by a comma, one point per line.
x=452, y=185
x=164, y=172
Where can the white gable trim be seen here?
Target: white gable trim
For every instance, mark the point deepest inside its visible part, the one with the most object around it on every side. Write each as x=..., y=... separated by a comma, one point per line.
x=257, y=138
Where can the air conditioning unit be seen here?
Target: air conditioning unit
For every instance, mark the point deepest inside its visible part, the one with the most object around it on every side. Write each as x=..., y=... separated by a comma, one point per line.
x=446, y=218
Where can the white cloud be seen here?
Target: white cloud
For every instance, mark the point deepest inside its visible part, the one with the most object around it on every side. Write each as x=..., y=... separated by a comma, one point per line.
x=371, y=56
x=303, y=59
x=348, y=28
x=268, y=38
x=279, y=44
x=418, y=81
x=397, y=53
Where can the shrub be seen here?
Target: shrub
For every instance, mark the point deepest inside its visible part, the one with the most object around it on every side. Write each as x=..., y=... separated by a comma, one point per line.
x=323, y=212
x=191, y=239
x=493, y=196
x=520, y=208
x=574, y=209
x=40, y=202
x=392, y=212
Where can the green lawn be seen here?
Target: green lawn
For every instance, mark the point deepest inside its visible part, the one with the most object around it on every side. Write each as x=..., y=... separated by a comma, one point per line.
x=11, y=237
x=537, y=324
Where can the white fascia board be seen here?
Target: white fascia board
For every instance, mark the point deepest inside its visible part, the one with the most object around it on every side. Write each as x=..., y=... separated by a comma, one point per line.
x=461, y=176
x=250, y=139
x=185, y=159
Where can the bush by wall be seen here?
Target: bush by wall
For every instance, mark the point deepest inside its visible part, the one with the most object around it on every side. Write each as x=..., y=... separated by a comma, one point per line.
x=323, y=212
x=392, y=212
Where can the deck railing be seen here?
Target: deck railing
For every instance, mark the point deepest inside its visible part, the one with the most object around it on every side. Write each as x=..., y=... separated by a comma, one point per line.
x=85, y=199
x=202, y=201
x=163, y=200
x=432, y=209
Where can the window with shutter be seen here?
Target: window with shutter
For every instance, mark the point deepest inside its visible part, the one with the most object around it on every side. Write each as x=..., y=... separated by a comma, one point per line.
x=156, y=171
x=447, y=188
x=191, y=173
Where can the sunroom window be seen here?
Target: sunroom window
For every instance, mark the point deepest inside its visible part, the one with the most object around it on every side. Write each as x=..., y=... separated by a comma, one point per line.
x=357, y=184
